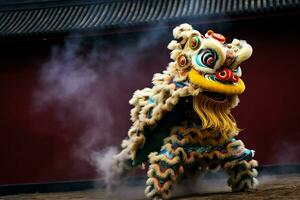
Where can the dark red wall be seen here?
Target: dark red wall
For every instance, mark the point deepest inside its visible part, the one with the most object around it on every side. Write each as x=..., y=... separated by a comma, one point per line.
x=38, y=145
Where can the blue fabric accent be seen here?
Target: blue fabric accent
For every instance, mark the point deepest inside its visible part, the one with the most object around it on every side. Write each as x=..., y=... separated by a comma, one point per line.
x=174, y=145
x=198, y=149
x=247, y=151
x=210, y=148
x=205, y=149
x=180, y=136
x=246, y=155
x=180, y=84
x=150, y=100
x=149, y=114
x=165, y=152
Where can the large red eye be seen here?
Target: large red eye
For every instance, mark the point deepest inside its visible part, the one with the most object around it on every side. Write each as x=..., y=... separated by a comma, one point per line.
x=195, y=42
x=224, y=75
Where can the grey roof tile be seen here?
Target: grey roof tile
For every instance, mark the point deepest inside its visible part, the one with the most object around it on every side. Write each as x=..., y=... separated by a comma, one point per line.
x=66, y=16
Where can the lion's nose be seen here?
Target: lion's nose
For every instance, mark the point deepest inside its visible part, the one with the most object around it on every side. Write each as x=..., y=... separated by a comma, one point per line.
x=226, y=75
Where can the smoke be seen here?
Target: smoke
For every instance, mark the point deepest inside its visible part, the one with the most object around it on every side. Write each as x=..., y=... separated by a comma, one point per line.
x=103, y=161
x=69, y=81
x=286, y=152
x=209, y=182
x=197, y=185
x=81, y=81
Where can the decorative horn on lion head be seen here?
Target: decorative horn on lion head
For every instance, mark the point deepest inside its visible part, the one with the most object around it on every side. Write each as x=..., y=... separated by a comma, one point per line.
x=208, y=62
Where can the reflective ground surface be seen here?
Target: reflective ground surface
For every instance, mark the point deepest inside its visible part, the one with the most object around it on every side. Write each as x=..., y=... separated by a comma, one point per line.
x=272, y=187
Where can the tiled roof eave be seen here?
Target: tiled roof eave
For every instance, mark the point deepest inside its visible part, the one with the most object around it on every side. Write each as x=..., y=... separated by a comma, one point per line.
x=105, y=15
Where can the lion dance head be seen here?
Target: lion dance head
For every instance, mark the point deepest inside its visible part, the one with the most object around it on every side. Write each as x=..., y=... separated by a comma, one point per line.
x=212, y=66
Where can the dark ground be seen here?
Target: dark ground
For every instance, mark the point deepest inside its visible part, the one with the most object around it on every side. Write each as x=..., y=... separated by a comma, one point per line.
x=272, y=187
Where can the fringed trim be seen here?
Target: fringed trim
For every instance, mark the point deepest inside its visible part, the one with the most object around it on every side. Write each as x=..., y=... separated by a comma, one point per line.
x=159, y=186
x=191, y=157
x=242, y=175
x=250, y=172
x=213, y=155
x=165, y=167
x=155, y=170
x=221, y=148
x=152, y=193
x=247, y=164
x=212, y=139
x=169, y=147
x=155, y=157
x=183, y=135
x=215, y=115
x=245, y=184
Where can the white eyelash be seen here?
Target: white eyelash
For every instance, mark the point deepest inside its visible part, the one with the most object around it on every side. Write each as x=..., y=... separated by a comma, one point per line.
x=237, y=71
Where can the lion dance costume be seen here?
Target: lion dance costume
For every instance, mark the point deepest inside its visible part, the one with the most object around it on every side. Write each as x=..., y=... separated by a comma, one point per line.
x=183, y=125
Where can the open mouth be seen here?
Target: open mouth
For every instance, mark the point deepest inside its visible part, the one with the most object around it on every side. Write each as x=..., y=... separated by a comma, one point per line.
x=209, y=83
x=215, y=96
